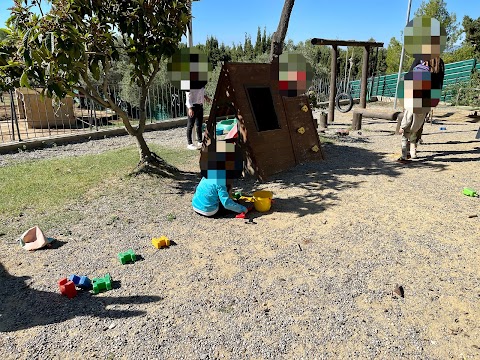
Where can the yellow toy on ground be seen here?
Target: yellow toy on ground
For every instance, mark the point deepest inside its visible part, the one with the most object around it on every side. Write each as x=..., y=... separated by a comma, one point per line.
x=161, y=242
x=262, y=200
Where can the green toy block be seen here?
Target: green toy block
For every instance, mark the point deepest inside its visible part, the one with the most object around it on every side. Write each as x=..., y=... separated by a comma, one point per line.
x=127, y=256
x=102, y=283
x=469, y=192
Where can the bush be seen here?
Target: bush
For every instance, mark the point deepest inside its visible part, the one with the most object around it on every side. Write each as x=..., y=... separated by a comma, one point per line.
x=465, y=94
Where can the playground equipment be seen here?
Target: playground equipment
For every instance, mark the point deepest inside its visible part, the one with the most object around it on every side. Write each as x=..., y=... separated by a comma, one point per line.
x=250, y=93
x=345, y=98
x=358, y=114
x=40, y=112
x=333, y=75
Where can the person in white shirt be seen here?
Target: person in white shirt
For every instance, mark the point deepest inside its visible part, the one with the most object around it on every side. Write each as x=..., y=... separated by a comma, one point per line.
x=194, y=103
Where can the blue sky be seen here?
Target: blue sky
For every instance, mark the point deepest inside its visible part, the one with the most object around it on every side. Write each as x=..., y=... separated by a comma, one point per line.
x=229, y=20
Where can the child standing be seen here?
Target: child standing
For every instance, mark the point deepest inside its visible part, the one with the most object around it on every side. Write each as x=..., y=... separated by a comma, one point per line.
x=417, y=104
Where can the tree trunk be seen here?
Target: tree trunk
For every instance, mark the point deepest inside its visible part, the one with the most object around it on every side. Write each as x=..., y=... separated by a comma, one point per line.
x=278, y=37
x=145, y=153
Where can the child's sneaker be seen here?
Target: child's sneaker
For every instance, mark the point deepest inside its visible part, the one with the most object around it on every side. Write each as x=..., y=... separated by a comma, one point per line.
x=199, y=144
x=192, y=147
x=413, y=151
x=403, y=160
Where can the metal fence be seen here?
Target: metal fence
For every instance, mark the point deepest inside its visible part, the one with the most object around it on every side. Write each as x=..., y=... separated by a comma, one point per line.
x=321, y=87
x=25, y=114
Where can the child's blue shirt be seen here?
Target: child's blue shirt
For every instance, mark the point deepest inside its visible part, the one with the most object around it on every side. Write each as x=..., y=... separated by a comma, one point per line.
x=209, y=195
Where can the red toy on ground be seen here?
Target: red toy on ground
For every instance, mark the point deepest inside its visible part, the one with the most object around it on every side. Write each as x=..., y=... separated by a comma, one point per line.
x=67, y=288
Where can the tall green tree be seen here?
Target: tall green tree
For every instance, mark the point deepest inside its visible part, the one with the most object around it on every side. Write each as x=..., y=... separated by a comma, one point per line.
x=85, y=47
x=394, y=50
x=264, y=40
x=248, y=50
x=212, y=50
x=472, y=33
x=438, y=9
x=258, y=43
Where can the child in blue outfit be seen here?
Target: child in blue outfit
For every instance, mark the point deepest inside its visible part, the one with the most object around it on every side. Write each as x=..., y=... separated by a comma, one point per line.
x=222, y=164
x=210, y=196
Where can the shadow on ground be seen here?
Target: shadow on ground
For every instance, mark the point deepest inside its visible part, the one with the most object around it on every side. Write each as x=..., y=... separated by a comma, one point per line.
x=345, y=167
x=23, y=307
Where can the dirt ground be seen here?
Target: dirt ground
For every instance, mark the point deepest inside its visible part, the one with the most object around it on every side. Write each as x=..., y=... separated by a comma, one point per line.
x=312, y=278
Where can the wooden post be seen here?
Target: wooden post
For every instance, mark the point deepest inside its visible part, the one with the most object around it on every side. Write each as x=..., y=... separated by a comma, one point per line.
x=357, y=121
x=363, y=89
x=333, y=85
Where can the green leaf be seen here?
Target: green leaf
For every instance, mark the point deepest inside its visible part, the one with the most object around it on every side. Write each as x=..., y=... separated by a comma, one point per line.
x=24, y=80
x=57, y=90
x=95, y=69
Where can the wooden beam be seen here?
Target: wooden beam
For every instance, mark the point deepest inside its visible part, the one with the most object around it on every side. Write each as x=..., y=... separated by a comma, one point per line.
x=363, y=89
x=317, y=41
x=358, y=114
x=333, y=85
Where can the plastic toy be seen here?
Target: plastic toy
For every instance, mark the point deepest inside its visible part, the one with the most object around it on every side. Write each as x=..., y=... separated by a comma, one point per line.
x=469, y=192
x=263, y=200
x=161, y=242
x=82, y=282
x=67, y=288
x=103, y=283
x=127, y=256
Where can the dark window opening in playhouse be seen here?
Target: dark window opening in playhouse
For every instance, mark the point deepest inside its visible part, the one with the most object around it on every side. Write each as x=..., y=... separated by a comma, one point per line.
x=261, y=103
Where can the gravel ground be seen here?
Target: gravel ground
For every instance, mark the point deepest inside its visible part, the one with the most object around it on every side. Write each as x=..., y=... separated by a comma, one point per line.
x=312, y=278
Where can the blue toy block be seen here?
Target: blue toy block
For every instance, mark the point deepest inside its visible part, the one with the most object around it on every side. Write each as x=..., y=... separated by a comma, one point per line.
x=127, y=256
x=82, y=282
x=74, y=278
x=100, y=284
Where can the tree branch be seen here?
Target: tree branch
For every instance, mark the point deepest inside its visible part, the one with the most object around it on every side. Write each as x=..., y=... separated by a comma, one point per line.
x=278, y=37
x=156, y=69
x=94, y=97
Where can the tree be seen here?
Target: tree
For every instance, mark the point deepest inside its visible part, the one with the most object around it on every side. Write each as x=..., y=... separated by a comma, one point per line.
x=394, y=50
x=472, y=33
x=3, y=34
x=225, y=53
x=438, y=9
x=278, y=37
x=86, y=47
x=248, y=51
x=212, y=50
x=264, y=40
x=258, y=43
x=465, y=52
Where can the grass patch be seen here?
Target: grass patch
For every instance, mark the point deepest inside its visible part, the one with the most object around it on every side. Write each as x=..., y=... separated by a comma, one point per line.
x=42, y=186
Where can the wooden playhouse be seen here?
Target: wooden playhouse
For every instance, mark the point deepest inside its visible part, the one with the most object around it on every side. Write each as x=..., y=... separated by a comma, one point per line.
x=276, y=132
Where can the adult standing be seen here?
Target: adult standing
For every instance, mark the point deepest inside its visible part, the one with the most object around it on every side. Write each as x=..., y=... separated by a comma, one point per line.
x=194, y=103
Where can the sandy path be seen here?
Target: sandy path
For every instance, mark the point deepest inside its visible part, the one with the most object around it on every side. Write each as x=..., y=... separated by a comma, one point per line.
x=313, y=278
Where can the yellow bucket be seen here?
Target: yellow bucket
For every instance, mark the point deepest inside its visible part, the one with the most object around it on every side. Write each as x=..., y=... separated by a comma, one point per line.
x=263, y=200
